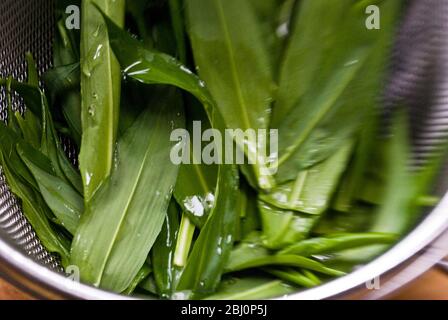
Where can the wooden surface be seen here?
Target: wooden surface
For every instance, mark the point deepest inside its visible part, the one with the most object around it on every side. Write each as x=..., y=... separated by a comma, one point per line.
x=432, y=285
x=8, y=292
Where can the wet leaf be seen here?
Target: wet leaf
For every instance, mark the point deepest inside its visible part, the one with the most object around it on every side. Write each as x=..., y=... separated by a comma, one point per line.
x=64, y=201
x=163, y=253
x=122, y=222
x=100, y=93
x=250, y=288
x=211, y=250
x=233, y=61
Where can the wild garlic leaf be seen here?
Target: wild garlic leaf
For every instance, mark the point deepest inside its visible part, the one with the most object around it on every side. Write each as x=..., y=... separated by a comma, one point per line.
x=33, y=77
x=162, y=253
x=22, y=184
x=52, y=148
x=338, y=242
x=283, y=227
x=329, y=79
x=217, y=235
x=63, y=80
x=137, y=9
x=233, y=61
x=178, y=24
x=66, y=41
x=196, y=183
x=290, y=211
x=12, y=121
x=305, y=50
x=251, y=254
x=211, y=250
x=30, y=127
x=249, y=217
x=313, y=189
x=354, y=178
x=50, y=144
x=29, y=123
x=144, y=272
x=64, y=201
x=123, y=220
x=247, y=249
x=250, y=288
x=395, y=214
x=292, y=276
x=286, y=260
x=28, y=92
x=273, y=23
x=100, y=93
x=152, y=67
x=63, y=86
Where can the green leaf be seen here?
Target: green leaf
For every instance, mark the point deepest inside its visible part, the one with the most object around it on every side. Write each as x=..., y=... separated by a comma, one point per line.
x=163, y=253
x=358, y=219
x=313, y=189
x=283, y=227
x=123, y=220
x=32, y=203
x=177, y=21
x=285, y=260
x=397, y=211
x=234, y=63
x=149, y=285
x=305, y=50
x=329, y=80
x=338, y=242
x=144, y=272
x=293, y=276
x=61, y=198
x=250, y=288
x=100, y=88
x=274, y=19
x=31, y=94
x=66, y=42
x=8, y=144
x=394, y=213
x=249, y=220
x=195, y=186
x=63, y=85
x=12, y=121
x=33, y=77
x=354, y=178
x=30, y=127
x=50, y=145
x=136, y=9
x=63, y=81
x=211, y=250
x=151, y=67
x=251, y=254
x=249, y=248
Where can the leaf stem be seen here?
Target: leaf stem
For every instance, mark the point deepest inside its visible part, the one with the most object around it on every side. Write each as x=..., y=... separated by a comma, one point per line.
x=184, y=239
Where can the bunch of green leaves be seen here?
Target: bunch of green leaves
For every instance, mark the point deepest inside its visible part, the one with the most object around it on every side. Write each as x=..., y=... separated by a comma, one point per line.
x=136, y=223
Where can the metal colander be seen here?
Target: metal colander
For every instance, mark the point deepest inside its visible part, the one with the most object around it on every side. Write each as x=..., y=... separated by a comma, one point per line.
x=25, y=26
x=419, y=79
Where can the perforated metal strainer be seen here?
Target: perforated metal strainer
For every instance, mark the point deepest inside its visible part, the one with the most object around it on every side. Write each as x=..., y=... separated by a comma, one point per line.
x=419, y=78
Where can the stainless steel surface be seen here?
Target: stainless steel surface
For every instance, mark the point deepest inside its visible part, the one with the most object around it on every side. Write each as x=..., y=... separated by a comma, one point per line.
x=444, y=265
x=26, y=26
x=419, y=80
